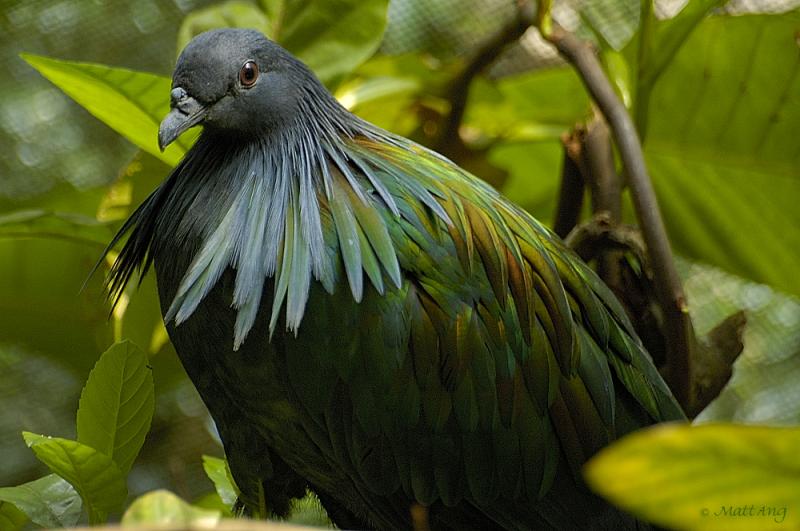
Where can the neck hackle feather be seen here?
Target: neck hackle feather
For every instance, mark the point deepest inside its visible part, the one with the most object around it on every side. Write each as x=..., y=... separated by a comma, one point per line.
x=264, y=201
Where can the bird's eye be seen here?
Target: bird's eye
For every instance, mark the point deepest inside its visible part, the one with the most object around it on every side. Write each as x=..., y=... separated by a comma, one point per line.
x=248, y=74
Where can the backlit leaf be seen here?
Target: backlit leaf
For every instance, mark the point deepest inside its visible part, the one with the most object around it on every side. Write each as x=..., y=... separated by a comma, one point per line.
x=131, y=103
x=710, y=477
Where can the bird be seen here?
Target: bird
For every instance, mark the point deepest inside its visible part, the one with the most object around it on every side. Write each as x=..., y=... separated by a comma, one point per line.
x=367, y=321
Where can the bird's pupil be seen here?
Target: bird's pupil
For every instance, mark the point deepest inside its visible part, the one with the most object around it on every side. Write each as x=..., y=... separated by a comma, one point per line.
x=248, y=74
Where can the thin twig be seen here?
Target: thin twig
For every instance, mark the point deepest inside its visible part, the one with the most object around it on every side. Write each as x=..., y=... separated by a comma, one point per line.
x=680, y=335
x=570, y=197
x=458, y=92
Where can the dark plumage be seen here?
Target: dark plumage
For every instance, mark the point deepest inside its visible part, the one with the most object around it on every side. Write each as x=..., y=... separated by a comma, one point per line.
x=365, y=319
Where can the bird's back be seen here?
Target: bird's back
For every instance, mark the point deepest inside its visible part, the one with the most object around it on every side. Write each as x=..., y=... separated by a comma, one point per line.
x=464, y=360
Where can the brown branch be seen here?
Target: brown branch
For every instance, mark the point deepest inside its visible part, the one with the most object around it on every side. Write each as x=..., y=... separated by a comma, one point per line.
x=713, y=363
x=458, y=92
x=605, y=184
x=570, y=196
x=680, y=335
x=606, y=191
x=590, y=239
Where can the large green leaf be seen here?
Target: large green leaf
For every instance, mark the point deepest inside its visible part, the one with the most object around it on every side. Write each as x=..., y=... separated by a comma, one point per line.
x=132, y=103
x=116, y=405
x=94, y=475
x=163, y=508
x=711, y=477
x=722, y=148
x=659, y=41
x=49, y=502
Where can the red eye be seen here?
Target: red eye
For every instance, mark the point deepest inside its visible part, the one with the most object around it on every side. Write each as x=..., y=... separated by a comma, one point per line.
x=248, y=74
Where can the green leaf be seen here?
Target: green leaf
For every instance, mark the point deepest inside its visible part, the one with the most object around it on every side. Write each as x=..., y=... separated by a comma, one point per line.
x=709, y=477
x=219, y=473
x=131, y=103
x=94, y=475
x=11, y=518
x=722, y=149
x=116, y=405
x=670, y=35
x=660, y=41
x=162, y=507
x=40, y=223
x=49, y=502
x=332, y=38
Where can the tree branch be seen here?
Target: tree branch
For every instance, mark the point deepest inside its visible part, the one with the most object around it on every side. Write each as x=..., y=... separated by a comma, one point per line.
x=570, y=196
x=606, y=190
x=605, y=184
x=458, y=92
x=680, y=335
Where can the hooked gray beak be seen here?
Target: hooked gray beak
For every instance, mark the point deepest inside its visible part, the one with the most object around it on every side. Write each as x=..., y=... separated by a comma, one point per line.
x=185, y=112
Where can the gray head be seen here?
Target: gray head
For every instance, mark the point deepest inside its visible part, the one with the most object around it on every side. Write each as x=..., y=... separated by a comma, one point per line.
x=240, y=82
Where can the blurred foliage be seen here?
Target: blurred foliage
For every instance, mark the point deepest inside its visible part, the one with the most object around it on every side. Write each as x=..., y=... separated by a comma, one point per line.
x=161, y=507
x=715, y=95
x=720, y=477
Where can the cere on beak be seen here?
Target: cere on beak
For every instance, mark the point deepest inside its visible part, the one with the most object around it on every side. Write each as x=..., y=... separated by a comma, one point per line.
x=185, y=112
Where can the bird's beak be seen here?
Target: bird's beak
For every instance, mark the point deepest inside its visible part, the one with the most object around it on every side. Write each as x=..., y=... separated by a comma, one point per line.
x=186, y=112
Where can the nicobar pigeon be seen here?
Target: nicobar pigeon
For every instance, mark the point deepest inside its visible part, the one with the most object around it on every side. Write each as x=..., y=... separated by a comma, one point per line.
x=367, y=320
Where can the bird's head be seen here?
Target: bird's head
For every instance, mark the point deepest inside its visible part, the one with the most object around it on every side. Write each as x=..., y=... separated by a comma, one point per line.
x=237, y=81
